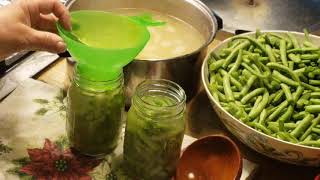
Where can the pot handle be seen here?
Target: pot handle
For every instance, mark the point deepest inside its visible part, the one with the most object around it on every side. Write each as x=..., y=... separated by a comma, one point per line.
x=240, y=31
x=65, y=54
x=219, y=20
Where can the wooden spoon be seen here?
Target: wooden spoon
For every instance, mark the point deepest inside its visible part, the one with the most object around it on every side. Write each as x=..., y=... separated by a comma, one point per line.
x=214, y=157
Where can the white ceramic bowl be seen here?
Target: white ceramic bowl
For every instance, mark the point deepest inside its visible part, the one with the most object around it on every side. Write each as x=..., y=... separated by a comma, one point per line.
x=262, y=143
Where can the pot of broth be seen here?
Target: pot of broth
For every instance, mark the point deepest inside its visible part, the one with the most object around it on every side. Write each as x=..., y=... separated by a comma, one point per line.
x=174, y=49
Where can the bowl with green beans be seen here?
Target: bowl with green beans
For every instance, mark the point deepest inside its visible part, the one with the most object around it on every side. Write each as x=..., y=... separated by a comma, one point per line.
x=265, y=87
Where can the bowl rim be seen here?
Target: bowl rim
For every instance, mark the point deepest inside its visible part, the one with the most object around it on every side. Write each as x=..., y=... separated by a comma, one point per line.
x=204, y=68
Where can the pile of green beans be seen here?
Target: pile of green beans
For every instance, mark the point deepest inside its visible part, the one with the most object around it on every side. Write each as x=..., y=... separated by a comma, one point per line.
x=271, y=82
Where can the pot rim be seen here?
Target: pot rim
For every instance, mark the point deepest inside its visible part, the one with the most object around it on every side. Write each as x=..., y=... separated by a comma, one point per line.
x=201, y=7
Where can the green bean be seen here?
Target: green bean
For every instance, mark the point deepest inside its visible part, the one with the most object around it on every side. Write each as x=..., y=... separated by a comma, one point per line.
x=291, y=65
x=280, y=107
x=316, y=130
x=283, y=52
x=252, y=94
x=287, y=92
x=258, y=33
x=235, y=44
x=287, y=126
x=256, y=50
x=309, y=86
x=315, y=95
x=302, y=102
x=232, y=79
x=310, y=56
x=220, y=88
x=264, y=75
x=294, y=58
x=293, y=40
x=234, y=53
x=302, y=126
x=308, y=44
x=258, y=100
x=287, y=115
x=214, y=55
x=299, y=115
x=215, y=95
x=310, y=143
x=315, y=101
x=253, y=41
x=309, y=130
x=258, y=109
x=284, y=69
x=278, y=96
x=306, y=61
x=247, y=87
x=289, y=43
x=238, y=62
x=276, y=51
x=221, y=96
x=308, y=138
x=313, y=108
x=262, y=128
x=299, y=71
x=296, y=95
x=277, y=36
x=275, y=127
x=247, y=73
x=284, y=79
x=256, y=68
x=227, y=88
x=216, y=65
x=248, y=53
x=306, y=35
x=263, y=116
x=303, y=50
x=314, y=82
x=287, y=137
x=271, y=97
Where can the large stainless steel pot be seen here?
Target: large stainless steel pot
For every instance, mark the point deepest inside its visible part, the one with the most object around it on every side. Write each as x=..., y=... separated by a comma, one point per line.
x=184, y=70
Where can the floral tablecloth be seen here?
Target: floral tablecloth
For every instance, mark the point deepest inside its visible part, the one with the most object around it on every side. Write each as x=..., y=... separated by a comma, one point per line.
x=33, y=141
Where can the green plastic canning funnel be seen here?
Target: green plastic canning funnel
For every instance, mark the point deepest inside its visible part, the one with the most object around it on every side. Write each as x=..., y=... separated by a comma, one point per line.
x=103, y=43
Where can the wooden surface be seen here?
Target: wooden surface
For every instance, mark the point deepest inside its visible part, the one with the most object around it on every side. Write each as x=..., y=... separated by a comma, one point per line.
x=203, y=121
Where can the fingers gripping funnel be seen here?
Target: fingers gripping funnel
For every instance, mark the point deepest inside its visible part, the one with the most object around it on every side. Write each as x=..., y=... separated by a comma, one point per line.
x=103, y=43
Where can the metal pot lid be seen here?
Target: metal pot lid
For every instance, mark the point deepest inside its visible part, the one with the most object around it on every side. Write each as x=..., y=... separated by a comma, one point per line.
x=291, y=15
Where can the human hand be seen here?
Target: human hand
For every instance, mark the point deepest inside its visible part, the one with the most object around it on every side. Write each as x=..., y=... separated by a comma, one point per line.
x=30, y=25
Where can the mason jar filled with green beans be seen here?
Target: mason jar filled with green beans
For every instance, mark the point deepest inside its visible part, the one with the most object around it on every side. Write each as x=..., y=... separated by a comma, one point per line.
x=271, y=82
x=155, y=129
x=95, y=112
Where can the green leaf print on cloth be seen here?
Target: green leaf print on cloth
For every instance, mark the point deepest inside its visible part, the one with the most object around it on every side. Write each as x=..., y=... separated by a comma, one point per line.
x=56, y=105
x=4, y=148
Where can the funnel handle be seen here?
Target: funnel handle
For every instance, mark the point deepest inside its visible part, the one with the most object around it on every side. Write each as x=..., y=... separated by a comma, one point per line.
x=147, y=20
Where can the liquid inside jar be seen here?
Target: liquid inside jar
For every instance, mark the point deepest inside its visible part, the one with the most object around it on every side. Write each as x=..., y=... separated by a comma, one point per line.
x=95, y=118
x=153, y=136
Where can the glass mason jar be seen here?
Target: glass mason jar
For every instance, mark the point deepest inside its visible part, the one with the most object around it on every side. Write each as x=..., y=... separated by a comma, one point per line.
x=95, y=114
x=155, y=129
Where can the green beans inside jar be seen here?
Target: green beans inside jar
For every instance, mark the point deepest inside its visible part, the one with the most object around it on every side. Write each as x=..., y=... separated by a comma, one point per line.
x=155, y=130
x=94, y=114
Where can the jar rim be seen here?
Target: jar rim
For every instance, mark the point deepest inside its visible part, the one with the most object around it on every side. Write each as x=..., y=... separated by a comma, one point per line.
x=151, y=85
x=94, y=85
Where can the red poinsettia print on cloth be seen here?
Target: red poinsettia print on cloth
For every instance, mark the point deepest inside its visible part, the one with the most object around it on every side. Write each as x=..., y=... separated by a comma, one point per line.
x=52, y=163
